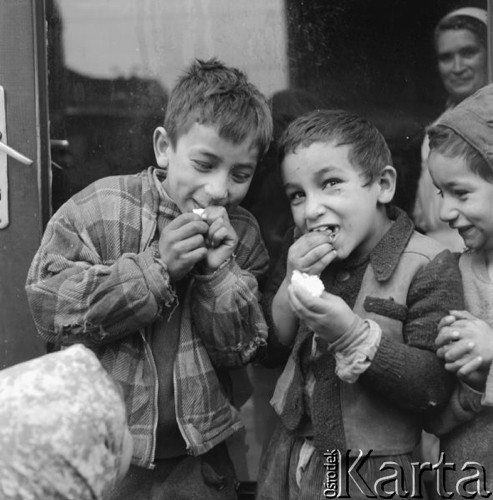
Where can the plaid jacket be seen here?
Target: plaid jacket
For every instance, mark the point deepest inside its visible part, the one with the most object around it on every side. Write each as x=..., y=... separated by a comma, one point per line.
x=96, y=280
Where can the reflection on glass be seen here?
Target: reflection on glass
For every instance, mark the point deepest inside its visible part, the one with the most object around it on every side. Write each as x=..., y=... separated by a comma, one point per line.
x=156, y=39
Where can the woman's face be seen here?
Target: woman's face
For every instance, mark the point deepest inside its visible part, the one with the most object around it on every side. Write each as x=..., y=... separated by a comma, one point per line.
x=461, y=63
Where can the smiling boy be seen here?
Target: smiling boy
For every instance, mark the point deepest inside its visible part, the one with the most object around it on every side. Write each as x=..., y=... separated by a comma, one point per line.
x=461, y=166
x=162, y=294
x=362, y=372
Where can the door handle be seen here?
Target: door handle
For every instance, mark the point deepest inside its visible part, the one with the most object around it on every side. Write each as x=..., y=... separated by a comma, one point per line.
x=6, y=150
x=14, y=153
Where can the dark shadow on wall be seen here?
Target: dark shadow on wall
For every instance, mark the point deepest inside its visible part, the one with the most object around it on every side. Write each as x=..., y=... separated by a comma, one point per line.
x=377, y=59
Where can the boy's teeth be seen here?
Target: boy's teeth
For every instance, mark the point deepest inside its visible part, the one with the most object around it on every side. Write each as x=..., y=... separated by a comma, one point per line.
x=328, y=229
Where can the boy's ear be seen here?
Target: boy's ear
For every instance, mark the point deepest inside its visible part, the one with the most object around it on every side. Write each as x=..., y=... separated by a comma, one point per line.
x=386, y=183
x=162, y=145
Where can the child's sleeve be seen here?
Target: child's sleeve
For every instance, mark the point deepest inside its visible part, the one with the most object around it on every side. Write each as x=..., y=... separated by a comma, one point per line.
x=487, y=399
x=409, y=373
x=463, y=405
x=79, y=294
x=276, y=353
x=226, y=308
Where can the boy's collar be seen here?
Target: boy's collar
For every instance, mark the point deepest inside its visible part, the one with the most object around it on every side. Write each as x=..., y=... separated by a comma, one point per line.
x=387, y=253
x=165, y=202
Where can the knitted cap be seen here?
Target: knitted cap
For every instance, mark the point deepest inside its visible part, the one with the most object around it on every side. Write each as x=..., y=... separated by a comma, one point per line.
x=62, y=427
x=472, y=119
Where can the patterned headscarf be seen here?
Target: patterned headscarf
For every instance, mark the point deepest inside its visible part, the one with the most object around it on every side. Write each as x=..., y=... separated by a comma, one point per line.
x=62, y=427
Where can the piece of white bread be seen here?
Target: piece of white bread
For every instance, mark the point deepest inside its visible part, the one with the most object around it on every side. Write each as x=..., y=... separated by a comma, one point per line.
x=198, y=211
x=309, y=282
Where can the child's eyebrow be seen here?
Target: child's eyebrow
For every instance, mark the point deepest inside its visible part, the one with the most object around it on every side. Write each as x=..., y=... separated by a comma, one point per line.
x=248, y=166
x=318, y=175
x=333, y=170
x=213, y=157
x=290, y=185
x=454, y=184
x=328, y=169
x=204, y=152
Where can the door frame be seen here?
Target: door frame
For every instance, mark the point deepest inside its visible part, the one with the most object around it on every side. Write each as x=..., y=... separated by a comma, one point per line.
x=24, y=79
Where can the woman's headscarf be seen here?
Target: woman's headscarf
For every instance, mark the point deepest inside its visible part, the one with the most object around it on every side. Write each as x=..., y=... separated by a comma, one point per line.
x=62, y=428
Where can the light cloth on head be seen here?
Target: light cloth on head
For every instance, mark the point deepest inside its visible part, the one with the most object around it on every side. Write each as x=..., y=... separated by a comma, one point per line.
x=475, y=12
x=472, y=119
x=62, y=425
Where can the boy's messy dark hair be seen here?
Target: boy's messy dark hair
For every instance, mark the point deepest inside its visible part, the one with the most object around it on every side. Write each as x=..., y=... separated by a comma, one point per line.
x=211, y=93
x=445, y=141
x=369, y=151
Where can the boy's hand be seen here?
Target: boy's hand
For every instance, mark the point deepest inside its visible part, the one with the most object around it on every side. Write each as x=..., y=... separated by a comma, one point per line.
x=465, y=343
x=328, y=316
x=182, y=244
x=472, y=373
x=221, y=239
x=311, y=254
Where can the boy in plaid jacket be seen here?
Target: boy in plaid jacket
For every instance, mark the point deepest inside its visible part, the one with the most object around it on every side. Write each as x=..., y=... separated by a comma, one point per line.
x=157, y=273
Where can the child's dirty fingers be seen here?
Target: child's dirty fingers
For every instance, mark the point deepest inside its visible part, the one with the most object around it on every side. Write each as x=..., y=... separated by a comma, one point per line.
x=446, y=321
x=458, y=350
x=471, y=366
x=446, y=335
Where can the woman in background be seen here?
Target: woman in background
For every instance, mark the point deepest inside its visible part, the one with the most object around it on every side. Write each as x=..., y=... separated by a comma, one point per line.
x=461, y=49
